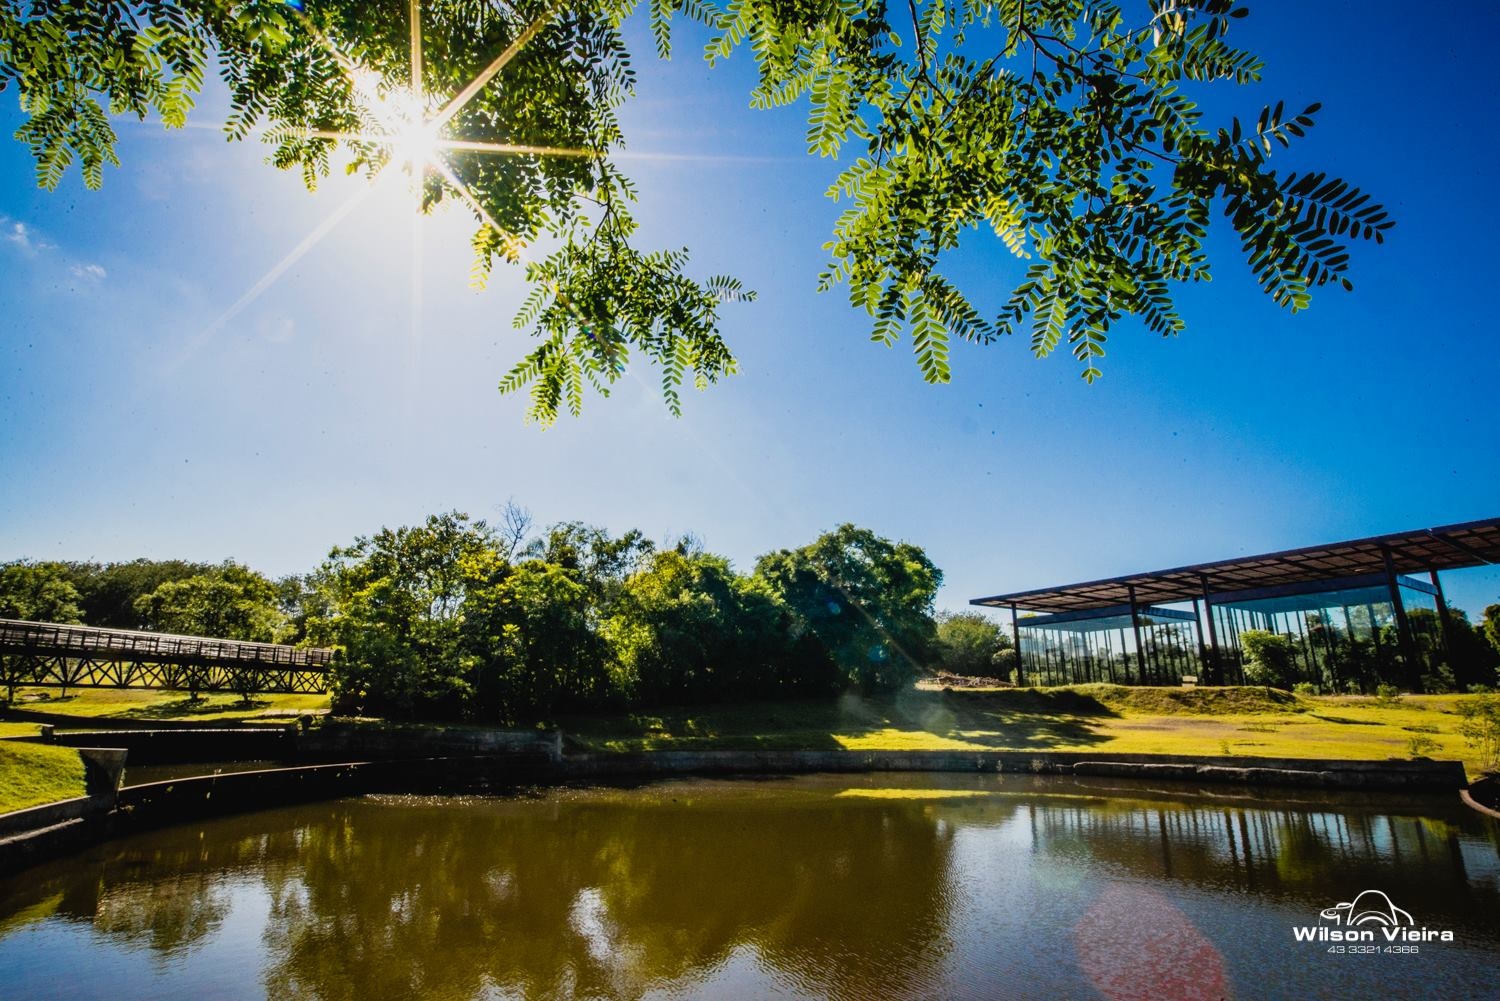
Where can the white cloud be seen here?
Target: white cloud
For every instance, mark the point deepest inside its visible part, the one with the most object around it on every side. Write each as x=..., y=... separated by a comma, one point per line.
x=22, y=236
x=16, y=232
x=89, y=272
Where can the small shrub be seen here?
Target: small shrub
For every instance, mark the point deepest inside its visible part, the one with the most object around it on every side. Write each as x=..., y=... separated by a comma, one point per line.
x=1439, y=680
x=1419, y=745
x=1305, y=688
x=1387, y=695
x=1269, y=658
x=1480, y=690
x=1224, y=748
x=1351, y=686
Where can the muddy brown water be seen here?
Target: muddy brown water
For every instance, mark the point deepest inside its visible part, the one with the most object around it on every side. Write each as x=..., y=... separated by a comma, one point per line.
x=848, y=887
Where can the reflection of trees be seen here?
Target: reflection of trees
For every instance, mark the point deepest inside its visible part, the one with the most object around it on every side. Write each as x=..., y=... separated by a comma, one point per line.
x=1272, y=850
x=166, y=891
x=610, y=895
x=619, y=893
x=169, y=915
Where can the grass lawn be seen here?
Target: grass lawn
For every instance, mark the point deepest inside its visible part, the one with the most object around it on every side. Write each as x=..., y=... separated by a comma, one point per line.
x=1252, y=722
x=99, y=705
x=32, y=774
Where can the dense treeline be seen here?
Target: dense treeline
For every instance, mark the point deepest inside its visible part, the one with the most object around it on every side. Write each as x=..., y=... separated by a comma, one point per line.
x=172, y=596
x=455, y=618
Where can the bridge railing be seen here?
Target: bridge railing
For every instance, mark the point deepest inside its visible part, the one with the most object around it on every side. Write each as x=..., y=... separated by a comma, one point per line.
x=58, y=639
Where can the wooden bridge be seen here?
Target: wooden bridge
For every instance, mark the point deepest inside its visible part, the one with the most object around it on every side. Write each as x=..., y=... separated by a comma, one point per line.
x=56, y=655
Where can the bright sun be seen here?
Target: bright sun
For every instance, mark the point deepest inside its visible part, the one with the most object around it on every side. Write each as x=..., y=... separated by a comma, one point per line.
x=415, y=146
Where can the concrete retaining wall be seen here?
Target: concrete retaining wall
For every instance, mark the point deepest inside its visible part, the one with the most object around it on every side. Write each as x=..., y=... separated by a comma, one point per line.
x=51, y=814
x=1393, y=774
x=1484, y=796
x=344, y=742
x=170, y=747
x=120, y=723
x=331, y=743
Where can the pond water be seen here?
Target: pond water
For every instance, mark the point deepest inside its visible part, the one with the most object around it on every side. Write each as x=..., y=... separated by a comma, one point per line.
x=848, y=887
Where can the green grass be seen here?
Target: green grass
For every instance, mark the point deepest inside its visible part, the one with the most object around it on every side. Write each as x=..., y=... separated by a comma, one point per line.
x=19, y=729
x=33, y=774
x=1254, y=722
x=96, y=704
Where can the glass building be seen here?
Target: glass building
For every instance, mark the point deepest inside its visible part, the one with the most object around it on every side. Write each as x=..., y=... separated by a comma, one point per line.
x=1346, y=616
x=1155, y=646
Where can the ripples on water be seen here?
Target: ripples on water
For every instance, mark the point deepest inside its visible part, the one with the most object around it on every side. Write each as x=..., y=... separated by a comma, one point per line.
x=848, y=887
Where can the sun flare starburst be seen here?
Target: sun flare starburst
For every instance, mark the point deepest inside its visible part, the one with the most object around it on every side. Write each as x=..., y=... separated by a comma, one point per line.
x=408, y=132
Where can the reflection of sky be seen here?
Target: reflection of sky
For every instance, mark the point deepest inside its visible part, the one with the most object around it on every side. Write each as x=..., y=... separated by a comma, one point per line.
x=313, y=414
x=72, y=959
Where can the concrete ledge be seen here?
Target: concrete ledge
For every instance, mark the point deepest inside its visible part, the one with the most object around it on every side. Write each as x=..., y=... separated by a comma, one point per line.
x=21, y=850
x=103, y=769
x=345, y=741
x=37, y=818
x=170, y=747
x=287, y=742
x=1483, y=796
x=181, y=799
x=69, y=722
x=1393, y=774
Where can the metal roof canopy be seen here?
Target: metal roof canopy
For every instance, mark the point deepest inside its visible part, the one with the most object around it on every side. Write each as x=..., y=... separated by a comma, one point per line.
x=1451, y=547
x=1112, y=617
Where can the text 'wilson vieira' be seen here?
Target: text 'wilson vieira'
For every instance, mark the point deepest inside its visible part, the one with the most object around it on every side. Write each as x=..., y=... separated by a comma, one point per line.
x=1322, y=934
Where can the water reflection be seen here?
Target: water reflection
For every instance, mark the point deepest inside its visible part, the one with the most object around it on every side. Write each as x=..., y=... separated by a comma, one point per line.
x=824, y=886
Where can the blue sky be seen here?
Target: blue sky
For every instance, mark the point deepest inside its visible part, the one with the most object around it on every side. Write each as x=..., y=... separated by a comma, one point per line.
x=144, y=415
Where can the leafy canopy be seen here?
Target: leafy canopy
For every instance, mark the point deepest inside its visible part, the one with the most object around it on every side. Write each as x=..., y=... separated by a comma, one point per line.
x=972, y=644
x=1063, y=129
x=38, y=592
x=864, y=600
x=229, y=601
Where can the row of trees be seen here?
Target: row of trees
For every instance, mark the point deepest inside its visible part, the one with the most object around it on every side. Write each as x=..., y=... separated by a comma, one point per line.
x=1451, y=656
x=460, y=619
x=454, y=618
x=171, y=596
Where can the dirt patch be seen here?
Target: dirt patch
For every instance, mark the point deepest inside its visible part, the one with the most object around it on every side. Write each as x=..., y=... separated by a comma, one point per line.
x=945, y=680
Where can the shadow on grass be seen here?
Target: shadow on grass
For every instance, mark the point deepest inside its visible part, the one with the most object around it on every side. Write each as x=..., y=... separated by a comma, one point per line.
x=1344, y=720
x=914, y=720
x=186, y=708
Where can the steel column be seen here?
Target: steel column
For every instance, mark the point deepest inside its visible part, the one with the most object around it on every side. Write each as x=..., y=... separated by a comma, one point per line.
x=1135, y=624
x=1015, y=638
x=1212, y=658
x=1403, y=627
x=1443, y=619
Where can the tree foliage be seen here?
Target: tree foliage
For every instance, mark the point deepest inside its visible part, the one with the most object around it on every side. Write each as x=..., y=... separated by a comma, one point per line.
x=688, y=629
x=109, y=592
x=1063, y=129
x=865, y=601
x=535, y=646
x=229, y=602
x=1492, y=625
x=394, y=604
x=448, y=619
x=38, y=592
x=972, y=644
x=1268, y=658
